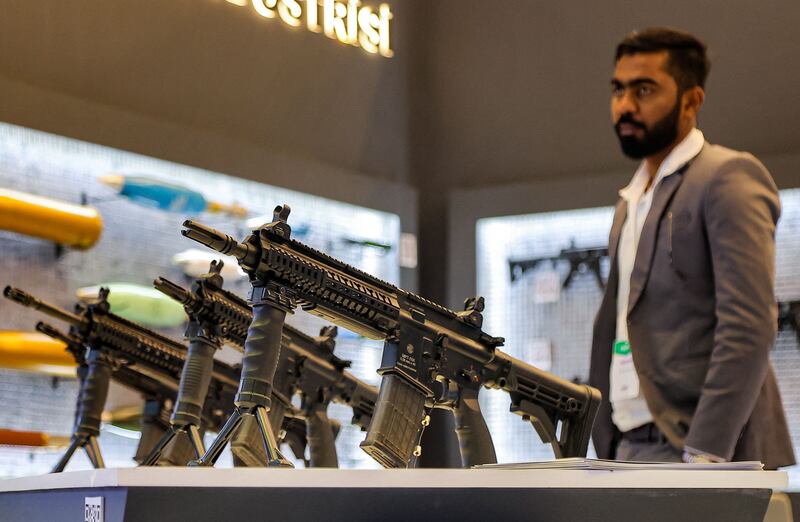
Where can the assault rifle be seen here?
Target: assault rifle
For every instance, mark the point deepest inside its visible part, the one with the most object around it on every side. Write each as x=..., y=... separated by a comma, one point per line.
x=432, y=357
x=789, y=317
x=205, y=338
x=157, y=395
x=580, y=260
x=112, y=343
x=159, y=398
x=306, y=365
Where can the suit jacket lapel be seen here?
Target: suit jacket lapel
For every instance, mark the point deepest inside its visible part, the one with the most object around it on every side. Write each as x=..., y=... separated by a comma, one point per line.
x=610, y=294
x=616, y=229
x=647, y=241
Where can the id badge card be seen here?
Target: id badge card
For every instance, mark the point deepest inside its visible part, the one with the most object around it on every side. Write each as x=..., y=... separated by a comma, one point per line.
x=624, y=381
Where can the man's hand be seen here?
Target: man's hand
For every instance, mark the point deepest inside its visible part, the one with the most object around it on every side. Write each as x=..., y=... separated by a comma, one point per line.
x=692, y=456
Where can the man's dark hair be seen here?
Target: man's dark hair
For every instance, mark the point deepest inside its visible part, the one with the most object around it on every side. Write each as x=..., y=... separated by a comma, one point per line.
x=687, y=64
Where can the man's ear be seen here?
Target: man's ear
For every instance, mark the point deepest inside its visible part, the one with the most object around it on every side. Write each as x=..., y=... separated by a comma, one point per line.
x=692, y=100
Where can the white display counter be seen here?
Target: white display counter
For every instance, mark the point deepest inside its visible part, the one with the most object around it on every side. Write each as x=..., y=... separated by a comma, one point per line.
x=200, y=494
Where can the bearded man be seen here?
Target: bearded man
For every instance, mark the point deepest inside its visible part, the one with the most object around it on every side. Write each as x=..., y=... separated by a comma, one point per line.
x=682, y=337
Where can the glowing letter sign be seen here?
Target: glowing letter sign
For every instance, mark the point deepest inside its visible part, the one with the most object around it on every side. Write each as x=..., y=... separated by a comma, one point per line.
x=345, y=20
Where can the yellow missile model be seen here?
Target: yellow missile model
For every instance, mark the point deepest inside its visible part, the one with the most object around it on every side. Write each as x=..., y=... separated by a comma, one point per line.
x=35, y=352
x=31, y=438
x=64, y=223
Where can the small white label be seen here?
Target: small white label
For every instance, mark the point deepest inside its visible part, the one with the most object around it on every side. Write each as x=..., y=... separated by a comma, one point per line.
x=93, y=509
x=546, y=286
x=624, y=380
x=408, y=250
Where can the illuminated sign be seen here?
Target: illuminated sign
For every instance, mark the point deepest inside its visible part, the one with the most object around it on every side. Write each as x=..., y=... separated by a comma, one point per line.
x=345, y=20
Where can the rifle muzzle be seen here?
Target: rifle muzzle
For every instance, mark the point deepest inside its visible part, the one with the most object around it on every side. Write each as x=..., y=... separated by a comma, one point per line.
x=18, y=296
x=51, y=332
x=213, y=239
x=172, y=290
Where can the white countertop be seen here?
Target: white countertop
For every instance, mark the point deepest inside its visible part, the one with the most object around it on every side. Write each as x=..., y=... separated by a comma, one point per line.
x=412, y=478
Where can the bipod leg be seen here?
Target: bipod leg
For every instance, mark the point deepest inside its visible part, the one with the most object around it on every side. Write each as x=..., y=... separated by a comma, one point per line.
x=77, y=442
x=274, y=456
x=224, y=436
x=92, y=449
x=197, y=441
x=155, y=453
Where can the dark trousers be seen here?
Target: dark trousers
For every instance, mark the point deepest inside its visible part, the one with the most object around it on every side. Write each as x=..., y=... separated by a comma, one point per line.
x=647, y=452
x=647, y=444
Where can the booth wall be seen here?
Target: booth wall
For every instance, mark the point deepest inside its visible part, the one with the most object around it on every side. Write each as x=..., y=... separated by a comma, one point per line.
x=213, y=85
x=517, y=93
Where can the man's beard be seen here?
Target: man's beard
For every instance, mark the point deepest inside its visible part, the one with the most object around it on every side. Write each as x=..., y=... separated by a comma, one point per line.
x=663, y=134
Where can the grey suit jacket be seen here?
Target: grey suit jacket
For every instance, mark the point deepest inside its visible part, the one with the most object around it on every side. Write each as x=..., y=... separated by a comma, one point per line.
x=702, y=313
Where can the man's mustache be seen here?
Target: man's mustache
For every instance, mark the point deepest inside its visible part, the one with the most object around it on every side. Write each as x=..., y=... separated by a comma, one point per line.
x=627, y=118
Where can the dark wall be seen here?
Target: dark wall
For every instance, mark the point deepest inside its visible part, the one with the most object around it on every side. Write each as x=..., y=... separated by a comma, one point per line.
x=521, y=89
x=210, y=66
x=518, y=92
x=479, y=94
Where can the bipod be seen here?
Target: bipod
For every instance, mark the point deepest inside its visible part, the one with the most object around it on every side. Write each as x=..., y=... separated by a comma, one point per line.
x=91, y=400
x=191, y=431
x=192, y=390
x=89, y=444
x=274, y=456
x=261, y=352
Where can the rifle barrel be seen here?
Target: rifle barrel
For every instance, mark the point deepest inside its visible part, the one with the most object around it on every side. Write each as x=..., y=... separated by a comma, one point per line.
x=49, y=331
x=74, y=346
x=25, y=299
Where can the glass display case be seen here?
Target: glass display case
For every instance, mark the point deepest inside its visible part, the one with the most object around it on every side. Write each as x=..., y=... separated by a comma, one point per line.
x=142, y=202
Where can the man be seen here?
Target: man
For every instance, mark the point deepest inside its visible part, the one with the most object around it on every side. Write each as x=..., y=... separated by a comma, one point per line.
x=681, y=340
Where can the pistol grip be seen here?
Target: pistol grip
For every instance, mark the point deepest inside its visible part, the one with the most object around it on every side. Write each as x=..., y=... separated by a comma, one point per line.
x=320, y=438
x=474, y=438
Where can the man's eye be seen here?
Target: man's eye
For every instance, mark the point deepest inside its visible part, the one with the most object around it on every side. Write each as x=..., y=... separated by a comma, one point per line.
x=617, y=91
x=644, y=90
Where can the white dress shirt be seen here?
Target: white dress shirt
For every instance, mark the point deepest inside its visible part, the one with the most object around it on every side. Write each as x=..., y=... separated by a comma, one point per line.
x=631, y=411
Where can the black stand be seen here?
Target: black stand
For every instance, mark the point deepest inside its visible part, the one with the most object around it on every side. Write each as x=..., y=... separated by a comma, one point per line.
x=91, y=400
x=155, y=423
x=261, y=351
x=192, y=391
